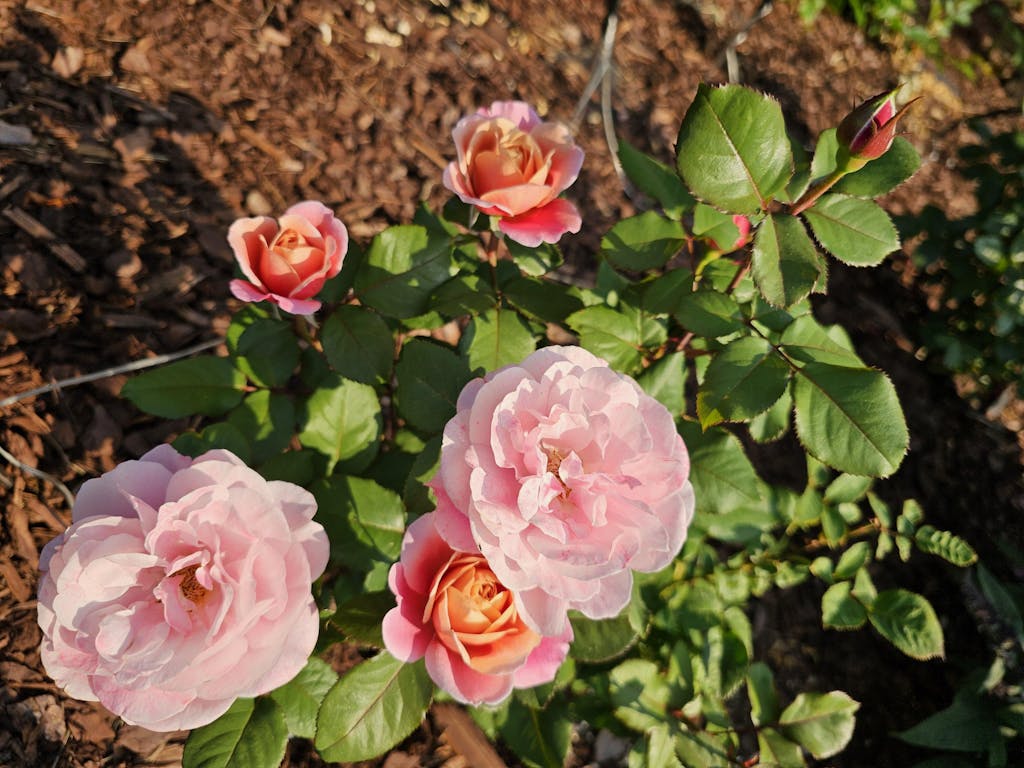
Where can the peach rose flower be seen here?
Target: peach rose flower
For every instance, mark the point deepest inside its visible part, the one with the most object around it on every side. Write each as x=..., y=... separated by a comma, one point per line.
x=288, y=261
x=453, y=610
x=513, y=166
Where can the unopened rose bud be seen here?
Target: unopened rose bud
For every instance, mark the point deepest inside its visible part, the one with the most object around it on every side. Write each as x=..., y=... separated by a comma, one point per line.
x=867, y=133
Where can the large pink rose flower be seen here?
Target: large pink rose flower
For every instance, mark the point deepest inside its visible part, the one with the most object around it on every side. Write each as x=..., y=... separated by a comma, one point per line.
x=455, y=612
x=513, y=166
x=181, y=585
x=567, y=477
x=288, y=261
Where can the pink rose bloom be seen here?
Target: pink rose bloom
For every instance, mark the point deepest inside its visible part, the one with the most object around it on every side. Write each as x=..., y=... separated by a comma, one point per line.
x=180, y=585
x=513, y=166
x=288, y=261
x=567, y=477
x=455, y=612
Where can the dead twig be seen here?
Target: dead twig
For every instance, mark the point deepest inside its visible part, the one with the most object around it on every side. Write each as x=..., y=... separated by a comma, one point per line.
x=34, y=228
x=728, y=54
x=38, y=473
x=136, y=365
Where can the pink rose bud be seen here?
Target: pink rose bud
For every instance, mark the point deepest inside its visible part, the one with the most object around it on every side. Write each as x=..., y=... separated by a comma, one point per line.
x=513, y=166
x=454, y=611
x=742, y=223
x=181, y=585
x=567, y=477
x=867, y=133
x=288, y=261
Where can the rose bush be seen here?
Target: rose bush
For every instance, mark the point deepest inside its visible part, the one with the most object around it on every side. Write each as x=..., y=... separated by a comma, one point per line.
x=181, y=585
x=288, y=261
x=566, y=476
x=513, y=166
x=453, y=610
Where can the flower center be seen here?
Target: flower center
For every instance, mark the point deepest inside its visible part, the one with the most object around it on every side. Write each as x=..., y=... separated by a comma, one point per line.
x=553, y=465
x=190, y=587
x=287, y=240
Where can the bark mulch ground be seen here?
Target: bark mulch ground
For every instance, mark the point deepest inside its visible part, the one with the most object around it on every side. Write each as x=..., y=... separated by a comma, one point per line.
x=132, y=134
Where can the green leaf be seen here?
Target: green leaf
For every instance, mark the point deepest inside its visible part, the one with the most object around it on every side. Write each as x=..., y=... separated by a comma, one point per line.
x=847, y=488
x=1002, y=601
x=267, y=420
x=403, y=267
x=742, y=525
x=884, y=174
x=908, y=621
x=495, y=339
x=854, y=230
x=639, y=694
x=415, y=493
x=832, y=525
x=850, y=418
x=704, y=749
x=266, y=351
x=824, y=162
x=535, y=261
x=361, y=618
x=744, y=379
x=251, y=734
x=343, y=420
x=722, y=475
x=545, y=300
x=430, y=378
x=296, y=467
x=656, y=180
x=662, y=294
x=709, y=313
x=785, y=264
x=610, y=335
x=808, y=341
x=372, y=708
x=946, y=545
x=464, y=294
x=722, y=665
x=969, y=724
x=222, y=434
x=358, y=344
x=204, y=385
x=300, y=699
x=643, y=242
x=809, y=508
x=732, y=149
x=665, y=381
x=773, y=423
x=764, y=703
x=598, y=641
x=852, y=560
x=777, y=751
x=840, y=610
x=656, y=750
x=863, y=588
x=822, y=723
x=540, y=739
x=364, y=521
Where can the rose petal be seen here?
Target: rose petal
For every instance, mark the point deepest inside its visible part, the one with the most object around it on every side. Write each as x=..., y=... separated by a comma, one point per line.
x=543, y=225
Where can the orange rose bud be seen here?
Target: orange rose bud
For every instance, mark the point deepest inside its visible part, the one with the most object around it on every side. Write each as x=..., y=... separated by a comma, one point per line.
x=868, y=131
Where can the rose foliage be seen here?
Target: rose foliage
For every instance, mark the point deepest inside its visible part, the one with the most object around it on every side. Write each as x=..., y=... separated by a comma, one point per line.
x=536, y=493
